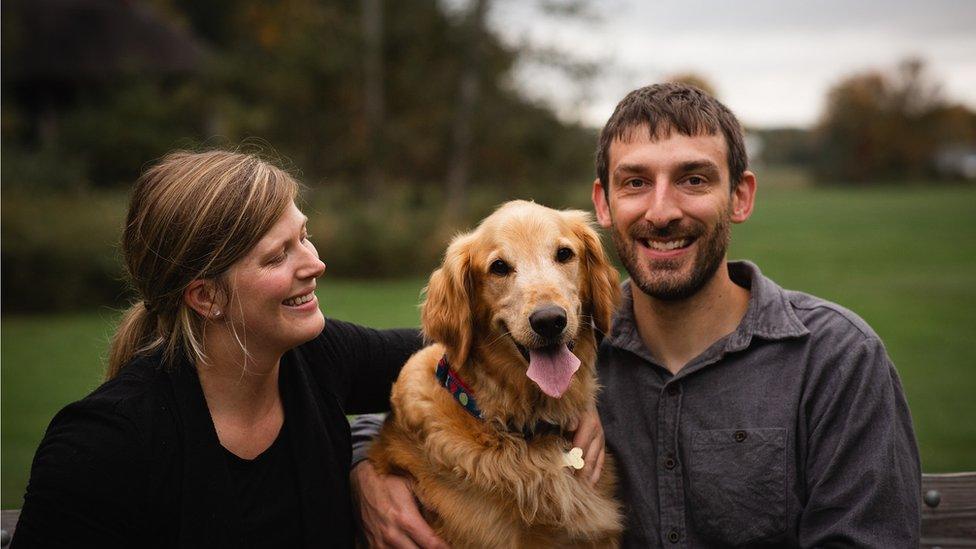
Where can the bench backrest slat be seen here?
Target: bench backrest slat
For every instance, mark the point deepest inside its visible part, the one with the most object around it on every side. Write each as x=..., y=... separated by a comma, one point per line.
x=951, y=523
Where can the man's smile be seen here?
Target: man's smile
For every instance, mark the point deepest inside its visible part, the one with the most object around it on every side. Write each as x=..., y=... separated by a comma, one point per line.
x=661, y=249
x=665, y=245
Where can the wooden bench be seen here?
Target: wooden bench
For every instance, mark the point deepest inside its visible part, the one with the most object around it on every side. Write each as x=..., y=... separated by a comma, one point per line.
x=948, y=512
x=8, y=521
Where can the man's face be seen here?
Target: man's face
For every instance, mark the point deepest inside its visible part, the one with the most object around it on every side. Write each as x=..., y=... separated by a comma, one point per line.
x=669, y=209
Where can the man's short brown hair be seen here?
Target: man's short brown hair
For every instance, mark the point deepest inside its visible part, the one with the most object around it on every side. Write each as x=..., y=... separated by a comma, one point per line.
x=663, y=108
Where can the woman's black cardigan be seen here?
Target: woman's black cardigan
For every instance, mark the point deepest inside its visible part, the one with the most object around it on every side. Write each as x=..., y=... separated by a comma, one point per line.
x=137, y=463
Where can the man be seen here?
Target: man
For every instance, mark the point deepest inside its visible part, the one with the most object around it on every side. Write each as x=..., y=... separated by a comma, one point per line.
x=739, y=413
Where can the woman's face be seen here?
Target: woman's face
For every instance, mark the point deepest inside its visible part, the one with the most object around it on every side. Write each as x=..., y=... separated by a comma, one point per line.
x=273, y=304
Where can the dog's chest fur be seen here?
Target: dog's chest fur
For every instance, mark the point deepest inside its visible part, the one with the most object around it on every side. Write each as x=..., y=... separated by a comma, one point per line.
x=483, y=484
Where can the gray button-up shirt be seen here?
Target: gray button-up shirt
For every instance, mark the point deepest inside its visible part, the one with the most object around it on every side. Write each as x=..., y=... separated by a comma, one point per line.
x=792, y=430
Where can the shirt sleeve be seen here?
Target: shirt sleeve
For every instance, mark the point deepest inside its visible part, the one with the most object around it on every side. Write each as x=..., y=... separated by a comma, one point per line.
x=365, y=428
x=360, y=364
x=863, y=475
x=83, y=482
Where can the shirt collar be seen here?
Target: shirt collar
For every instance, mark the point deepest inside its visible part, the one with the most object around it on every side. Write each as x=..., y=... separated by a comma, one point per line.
x=769, y=314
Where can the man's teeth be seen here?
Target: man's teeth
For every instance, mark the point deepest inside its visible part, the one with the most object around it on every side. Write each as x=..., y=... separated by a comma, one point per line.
x=296, y=301
x=669, y=245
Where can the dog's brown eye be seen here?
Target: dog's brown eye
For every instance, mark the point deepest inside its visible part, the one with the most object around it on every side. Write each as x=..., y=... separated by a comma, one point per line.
x=500, y=268
x=564, y=254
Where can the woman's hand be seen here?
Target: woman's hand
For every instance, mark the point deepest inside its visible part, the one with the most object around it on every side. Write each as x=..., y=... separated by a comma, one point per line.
x=388, y=511
x=588, y=435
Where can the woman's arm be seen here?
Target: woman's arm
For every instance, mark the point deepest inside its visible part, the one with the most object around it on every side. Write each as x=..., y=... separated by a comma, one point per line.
x=360, y=364
x=84, y=482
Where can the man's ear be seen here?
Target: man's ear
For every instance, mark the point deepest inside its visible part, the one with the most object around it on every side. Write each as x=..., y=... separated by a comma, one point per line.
x=202, y=296
x=744, y=197
x=601, y=204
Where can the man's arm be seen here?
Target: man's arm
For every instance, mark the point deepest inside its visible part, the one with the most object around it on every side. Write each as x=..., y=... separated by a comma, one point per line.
x=387, y=509
x=365, y=428
x=863, y=474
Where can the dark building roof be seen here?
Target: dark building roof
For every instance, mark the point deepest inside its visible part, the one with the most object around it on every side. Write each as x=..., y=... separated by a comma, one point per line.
x=89, y=40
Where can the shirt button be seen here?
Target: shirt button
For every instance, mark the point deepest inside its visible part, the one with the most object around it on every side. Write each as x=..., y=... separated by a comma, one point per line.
x=739, y=436
x=674, y=389
x=673, y=535
x=670, y=463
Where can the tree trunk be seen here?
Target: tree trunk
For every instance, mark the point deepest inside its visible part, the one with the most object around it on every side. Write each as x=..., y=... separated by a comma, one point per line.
x=372, y=20
x=458, y=174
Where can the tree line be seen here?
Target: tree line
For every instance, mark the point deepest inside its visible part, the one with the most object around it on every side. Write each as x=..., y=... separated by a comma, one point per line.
x=401, y=117
x=361, y=93
x=882, y=126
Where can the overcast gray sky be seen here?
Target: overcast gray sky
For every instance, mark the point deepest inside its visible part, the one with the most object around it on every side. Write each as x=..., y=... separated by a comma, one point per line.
x=771, y=61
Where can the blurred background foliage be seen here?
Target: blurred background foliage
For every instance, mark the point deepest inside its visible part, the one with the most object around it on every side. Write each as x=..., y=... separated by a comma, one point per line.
x=879, y=126
x=395, y=114
x=401, y=117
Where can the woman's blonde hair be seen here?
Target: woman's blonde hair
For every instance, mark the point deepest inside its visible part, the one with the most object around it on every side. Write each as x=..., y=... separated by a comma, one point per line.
x=191, y=216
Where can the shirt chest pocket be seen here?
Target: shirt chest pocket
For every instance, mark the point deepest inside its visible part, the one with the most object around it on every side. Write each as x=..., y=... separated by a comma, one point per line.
x=737, y=484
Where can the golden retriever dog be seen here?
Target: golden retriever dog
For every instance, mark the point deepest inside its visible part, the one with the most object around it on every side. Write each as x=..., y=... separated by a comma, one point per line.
x=479, y=417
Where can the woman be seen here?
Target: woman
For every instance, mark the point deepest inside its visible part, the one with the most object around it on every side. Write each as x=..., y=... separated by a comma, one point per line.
x=222, y=422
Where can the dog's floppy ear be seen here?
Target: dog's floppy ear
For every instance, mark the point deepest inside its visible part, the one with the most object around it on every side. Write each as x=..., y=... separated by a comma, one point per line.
x=601, y=282
x=446, y=312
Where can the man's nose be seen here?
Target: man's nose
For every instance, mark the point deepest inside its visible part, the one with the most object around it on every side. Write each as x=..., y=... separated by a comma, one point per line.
x=663, y=207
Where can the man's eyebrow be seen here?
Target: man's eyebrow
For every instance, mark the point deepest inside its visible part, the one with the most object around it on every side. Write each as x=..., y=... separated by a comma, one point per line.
x=698, y=165
x=629, y=168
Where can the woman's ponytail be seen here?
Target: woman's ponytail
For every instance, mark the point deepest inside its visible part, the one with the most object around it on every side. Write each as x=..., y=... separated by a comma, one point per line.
x=135, y=334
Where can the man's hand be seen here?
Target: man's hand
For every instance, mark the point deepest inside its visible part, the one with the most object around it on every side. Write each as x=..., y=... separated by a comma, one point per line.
x=388, y=511
x=589, y=436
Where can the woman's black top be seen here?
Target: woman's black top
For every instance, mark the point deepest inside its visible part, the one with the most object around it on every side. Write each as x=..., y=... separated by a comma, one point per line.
x=264, y=489
x=137, y=463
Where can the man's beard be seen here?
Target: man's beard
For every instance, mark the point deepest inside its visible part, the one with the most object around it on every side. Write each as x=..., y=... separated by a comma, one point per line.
x=660, y=279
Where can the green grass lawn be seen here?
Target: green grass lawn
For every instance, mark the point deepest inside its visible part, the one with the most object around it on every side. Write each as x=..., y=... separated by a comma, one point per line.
x=904, y=259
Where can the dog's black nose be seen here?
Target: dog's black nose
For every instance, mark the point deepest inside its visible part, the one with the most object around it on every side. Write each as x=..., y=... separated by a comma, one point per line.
x=548, y=321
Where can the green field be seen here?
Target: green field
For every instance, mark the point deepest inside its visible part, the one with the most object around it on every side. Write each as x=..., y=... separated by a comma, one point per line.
x=904, y=259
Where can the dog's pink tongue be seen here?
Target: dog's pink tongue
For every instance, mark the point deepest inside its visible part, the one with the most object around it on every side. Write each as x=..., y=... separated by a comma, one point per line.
x=552, y=371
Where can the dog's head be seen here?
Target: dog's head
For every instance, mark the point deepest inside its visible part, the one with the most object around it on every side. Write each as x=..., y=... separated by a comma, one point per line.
x=529, y=279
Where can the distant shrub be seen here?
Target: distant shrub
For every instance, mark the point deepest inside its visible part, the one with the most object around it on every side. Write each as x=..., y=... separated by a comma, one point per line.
x=43, y=170
x=395, y=236
x=405, y=232
x=59, y=251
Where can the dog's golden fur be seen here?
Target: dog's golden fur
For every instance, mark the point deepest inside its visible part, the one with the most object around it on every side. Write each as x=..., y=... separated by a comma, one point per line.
x=482, y=483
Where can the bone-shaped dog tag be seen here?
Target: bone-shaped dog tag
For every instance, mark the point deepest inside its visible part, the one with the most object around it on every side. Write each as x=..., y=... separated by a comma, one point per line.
x=574, y=458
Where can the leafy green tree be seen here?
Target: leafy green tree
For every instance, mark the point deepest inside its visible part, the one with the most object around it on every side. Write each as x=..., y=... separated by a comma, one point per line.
x=879, y=126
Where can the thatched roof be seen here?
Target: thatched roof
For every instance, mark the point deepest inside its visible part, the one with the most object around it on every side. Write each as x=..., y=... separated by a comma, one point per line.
x=84, y=40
